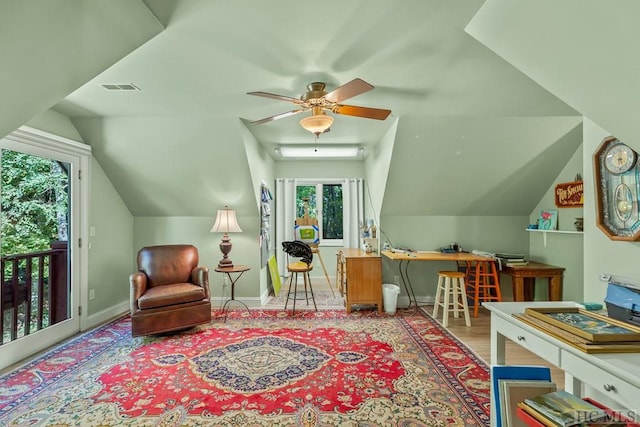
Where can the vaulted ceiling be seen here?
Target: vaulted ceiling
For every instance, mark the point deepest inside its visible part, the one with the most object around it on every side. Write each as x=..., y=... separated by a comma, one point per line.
x=478, y=92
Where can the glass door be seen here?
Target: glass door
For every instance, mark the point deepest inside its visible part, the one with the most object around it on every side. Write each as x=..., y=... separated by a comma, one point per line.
x=36, y=234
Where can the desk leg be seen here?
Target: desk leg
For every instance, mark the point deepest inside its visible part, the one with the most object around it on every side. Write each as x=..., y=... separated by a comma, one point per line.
x=555, y=288
x=572, y=384
x=529, y=288
x=407, y=284
x=518, y=288
x=497, y=358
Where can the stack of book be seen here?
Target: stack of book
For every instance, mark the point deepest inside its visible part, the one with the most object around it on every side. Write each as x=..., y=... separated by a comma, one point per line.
x=561, y=408
x=511, y=384
x=511, y=260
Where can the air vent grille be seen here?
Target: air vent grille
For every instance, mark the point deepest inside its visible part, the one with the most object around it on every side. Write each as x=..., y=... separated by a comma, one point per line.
x=123, y=86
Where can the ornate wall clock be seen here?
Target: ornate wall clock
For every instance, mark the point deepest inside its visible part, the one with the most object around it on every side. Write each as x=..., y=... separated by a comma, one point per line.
x=617, y=183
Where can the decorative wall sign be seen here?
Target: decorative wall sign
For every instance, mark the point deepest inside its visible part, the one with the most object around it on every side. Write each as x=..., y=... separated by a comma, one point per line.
x=570, y=194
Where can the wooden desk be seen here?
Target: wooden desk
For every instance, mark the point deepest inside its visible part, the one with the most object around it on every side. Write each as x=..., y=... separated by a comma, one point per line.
x=363, y=278
x=434, y=256
x=456, y=257
x=524, y=277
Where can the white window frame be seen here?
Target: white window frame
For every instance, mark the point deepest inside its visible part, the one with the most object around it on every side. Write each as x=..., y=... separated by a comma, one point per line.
x=40, y=143
x=304, y=182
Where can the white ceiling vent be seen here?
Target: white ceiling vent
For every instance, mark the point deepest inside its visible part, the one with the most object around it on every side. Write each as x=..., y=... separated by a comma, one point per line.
x=124, y=86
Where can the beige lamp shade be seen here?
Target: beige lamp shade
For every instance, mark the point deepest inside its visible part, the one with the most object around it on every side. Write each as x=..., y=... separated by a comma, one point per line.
x=226, y=222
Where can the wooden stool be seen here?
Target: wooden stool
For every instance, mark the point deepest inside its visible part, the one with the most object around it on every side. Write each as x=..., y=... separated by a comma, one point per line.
x=294, y=268
x=451, y=283
x=483, y=283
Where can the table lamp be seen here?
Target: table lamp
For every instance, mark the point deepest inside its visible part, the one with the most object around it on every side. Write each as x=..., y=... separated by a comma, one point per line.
x=226, y=222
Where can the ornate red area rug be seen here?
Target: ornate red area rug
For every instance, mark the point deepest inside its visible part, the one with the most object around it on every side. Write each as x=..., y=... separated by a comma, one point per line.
x=260, y=368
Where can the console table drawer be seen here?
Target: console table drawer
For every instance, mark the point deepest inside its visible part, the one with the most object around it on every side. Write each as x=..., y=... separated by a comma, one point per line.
x=539, y=346
x=608, y=384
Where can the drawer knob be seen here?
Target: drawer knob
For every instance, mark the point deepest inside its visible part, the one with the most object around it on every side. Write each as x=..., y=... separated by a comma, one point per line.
x=520, y=338
x=608, y=387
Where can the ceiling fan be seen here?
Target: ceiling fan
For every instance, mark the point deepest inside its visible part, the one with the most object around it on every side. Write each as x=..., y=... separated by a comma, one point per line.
x=318, y=100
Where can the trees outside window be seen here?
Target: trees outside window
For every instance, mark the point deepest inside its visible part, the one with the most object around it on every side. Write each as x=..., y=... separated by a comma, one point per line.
x=34, y=202
x=328, y=209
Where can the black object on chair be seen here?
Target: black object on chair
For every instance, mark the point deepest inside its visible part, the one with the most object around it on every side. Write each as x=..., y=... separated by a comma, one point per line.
x=301, y=250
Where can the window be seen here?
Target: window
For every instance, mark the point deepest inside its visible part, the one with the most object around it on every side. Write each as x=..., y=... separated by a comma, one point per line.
x=327, y=209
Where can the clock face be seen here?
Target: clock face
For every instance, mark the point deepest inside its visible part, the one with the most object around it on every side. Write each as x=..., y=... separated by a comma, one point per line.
x=617, y=182
x=619, y=158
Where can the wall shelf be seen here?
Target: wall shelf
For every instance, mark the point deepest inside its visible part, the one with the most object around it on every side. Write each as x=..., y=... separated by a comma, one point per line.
x=544, y=233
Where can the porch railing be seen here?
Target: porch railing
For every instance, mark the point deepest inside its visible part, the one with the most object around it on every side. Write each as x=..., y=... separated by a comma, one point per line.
x=35, y=291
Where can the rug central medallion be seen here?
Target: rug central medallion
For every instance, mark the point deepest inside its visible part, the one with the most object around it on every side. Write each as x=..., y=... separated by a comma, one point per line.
x=270, y=371
x=258, y=364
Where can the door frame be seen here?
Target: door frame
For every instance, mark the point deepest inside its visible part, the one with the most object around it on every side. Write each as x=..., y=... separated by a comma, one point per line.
x=44, y=144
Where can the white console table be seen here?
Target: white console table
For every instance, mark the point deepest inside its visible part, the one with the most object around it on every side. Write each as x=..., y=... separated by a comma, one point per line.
x=615, y=375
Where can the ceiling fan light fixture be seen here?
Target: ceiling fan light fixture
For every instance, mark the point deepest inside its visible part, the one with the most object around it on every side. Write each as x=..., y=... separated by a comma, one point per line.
x=317, y=123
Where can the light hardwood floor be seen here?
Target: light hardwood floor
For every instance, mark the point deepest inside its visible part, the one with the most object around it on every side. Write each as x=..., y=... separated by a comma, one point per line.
x=477, y=337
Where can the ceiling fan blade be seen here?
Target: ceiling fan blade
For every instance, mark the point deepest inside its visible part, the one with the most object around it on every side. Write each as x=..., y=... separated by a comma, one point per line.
x=278, y=97
x=348, y=90
x=366, y=112
x=278, y=116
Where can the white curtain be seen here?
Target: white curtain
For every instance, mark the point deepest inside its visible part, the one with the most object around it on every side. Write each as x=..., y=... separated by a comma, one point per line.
x=353, y=211
x=285, y=204
x=285, y=218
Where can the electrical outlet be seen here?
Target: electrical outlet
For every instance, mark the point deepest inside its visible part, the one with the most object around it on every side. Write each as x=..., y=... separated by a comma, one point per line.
x=92, y=294
x=396, y=280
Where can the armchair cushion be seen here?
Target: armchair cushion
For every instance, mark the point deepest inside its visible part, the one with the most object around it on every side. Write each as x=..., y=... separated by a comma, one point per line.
x=172, y=294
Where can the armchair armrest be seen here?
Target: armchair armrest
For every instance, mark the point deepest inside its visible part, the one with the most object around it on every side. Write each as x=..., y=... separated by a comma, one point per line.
x=200, y=276
x=138, y=282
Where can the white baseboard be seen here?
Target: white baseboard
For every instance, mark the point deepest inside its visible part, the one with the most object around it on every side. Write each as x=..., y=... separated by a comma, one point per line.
x=107, y=314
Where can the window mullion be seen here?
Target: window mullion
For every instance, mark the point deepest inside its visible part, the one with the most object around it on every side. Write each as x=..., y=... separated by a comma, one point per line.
x=320, y=210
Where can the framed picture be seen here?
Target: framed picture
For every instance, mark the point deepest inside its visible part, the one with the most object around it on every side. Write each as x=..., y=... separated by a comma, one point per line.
x=309, y=234
x=548, y=219
x=594, y=327
x=515, y=391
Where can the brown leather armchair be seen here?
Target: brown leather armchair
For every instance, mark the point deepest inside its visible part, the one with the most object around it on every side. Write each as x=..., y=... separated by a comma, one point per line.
x=170, y=291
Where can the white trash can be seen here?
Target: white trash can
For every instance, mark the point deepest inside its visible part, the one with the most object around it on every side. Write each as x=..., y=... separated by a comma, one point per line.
x=390, y=297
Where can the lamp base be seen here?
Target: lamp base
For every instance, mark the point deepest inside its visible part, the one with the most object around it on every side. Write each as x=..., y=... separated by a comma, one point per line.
x=225, y=263
x=225, y=248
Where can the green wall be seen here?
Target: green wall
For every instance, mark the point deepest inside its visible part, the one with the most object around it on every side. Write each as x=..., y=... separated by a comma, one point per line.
x=565, y=250
x=111, y=253
x=487, y=233
x=195, y=230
